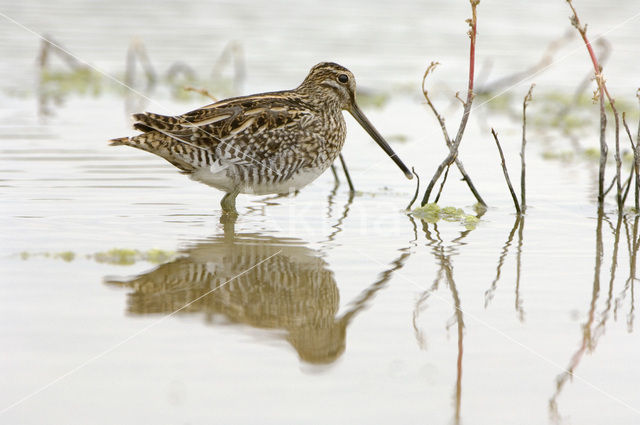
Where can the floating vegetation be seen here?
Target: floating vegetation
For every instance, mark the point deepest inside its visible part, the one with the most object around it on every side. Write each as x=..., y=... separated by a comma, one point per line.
x=117, y=256
x=432, y=213
x=588, y=155
x=564, y=156
x=369, y=99
x=82, y=80
x=67, y=256
x=556, y=110
x=125, y=257
x=398, y=138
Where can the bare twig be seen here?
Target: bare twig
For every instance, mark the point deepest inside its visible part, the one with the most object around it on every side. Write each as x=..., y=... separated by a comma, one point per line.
x=603, y=151
x=203, y=92
x=506, y=173
x=415, y=195
x=453, y=148
x=602, y=91
x=425, y=93
x=608, y=189
x=627, y=184
x=444, y=180
x=636, y=155
x=523, y=199
x=346, y=174
x=617, y=153
x=635, y=168
x=445, y=133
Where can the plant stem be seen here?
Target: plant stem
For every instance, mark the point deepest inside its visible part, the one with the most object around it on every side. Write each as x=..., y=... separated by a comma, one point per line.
x=415, y=195
x=603, y=91
x=523, y=173
x=506, y=173
x=453, y=149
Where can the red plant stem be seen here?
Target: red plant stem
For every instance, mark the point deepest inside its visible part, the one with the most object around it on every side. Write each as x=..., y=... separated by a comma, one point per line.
x=453, y=149
x=594, y=59
x=602, y=87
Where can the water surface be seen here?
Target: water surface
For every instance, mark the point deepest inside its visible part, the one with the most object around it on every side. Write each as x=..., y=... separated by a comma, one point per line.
x=125, y=299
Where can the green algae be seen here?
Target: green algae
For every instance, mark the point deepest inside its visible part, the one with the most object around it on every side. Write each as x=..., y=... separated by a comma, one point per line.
x=115, y=256
x=82, y=81
x=432, y=213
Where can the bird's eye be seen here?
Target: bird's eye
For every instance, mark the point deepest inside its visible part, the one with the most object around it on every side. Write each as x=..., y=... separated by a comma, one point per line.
x=343, y=78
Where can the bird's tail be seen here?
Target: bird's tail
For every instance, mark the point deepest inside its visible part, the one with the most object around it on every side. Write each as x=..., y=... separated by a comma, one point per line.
x=180, y=155
x=120, y=141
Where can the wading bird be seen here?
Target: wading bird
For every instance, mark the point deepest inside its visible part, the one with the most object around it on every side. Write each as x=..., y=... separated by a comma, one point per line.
x=268, y=143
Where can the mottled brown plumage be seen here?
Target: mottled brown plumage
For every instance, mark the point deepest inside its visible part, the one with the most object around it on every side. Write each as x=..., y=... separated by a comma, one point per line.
x=265, y=143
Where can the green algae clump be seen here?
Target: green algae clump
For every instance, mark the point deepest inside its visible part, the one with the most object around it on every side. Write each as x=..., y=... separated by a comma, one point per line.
x=432, y=213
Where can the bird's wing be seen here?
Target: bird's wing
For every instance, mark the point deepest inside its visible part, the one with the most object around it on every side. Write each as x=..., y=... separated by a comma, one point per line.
x=239, y=130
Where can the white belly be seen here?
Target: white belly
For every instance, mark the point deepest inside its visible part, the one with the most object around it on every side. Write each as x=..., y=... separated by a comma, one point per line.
x=220, y=179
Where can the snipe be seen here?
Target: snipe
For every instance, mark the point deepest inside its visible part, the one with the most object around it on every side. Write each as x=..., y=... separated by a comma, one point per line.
x=260, y=144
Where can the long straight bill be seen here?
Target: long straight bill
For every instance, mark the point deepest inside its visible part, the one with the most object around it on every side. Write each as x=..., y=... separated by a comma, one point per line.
x=364, y=122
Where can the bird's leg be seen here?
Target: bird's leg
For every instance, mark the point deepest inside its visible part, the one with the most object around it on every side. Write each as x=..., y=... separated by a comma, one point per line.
x=346, y=174
x=335, y=175
x=228, y=202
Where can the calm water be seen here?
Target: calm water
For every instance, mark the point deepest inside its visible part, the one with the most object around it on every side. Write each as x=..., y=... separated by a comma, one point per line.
x=123, y=299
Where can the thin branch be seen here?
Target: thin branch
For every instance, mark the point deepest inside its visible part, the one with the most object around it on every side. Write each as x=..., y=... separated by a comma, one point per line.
x=506, y=173
x=635, y=168
x=608, y=189
x=636, y=155
x=523, y=199
x=444, y=180
x=425, y=93
x=627, y=184
x=453, y=148
x=617, y=153
x=415, y=195
x=603, y=91
x=203, y=92
x=445, y=133
x=603, y=151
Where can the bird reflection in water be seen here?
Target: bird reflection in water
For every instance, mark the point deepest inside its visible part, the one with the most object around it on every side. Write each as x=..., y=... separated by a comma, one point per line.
x=261, y=281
